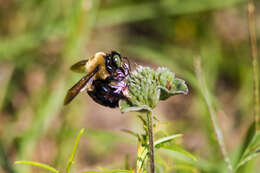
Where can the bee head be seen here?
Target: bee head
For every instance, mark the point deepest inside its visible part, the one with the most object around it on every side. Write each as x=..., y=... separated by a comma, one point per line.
x=113, y=61
x=116, y=59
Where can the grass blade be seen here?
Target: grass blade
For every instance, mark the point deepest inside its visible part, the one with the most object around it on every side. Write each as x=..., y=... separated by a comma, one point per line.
x=41, y=165
x=206, y=95
x=71, y=160
x=6, y=71
x=180, y=150
x=166, y=139
x=111, y=171
x=148, y=10
x=252, y=150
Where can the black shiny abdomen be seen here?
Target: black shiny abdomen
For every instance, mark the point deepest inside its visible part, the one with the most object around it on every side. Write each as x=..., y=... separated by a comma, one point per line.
x=103, y=94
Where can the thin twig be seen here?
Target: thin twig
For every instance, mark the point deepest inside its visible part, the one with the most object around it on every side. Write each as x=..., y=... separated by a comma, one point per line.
x=151, y=146
x=253, y=42
x=212, y=113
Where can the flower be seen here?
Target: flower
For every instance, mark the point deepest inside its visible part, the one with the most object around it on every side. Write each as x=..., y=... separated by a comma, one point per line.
x=147, y=86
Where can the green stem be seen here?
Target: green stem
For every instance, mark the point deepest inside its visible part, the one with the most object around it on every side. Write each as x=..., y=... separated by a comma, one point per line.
x=71, y=160
x=212, y=112
x=254, y=52
x=151, y=146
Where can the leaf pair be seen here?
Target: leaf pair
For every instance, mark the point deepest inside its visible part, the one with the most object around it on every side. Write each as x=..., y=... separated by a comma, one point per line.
x=251, y=148
x=142, y=149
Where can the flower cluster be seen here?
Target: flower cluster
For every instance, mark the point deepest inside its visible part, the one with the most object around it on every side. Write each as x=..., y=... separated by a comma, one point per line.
x=147, y=86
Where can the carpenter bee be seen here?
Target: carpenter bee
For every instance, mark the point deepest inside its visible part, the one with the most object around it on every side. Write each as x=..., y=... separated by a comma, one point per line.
x=104, y=80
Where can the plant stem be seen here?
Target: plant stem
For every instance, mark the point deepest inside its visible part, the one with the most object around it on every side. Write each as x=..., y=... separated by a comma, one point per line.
x=151, y=146
x=71, y=160
x=253, y=42
x=212, y=113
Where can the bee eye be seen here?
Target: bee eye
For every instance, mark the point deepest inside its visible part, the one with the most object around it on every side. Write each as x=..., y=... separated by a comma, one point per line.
x=117, y=60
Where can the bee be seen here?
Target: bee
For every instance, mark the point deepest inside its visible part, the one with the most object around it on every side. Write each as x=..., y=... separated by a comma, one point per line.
x=104, y=80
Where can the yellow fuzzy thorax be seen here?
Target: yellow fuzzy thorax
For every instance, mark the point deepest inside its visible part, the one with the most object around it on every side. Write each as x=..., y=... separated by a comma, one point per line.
x=94, y=61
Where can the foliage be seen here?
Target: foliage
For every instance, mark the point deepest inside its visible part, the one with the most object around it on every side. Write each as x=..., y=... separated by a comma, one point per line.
x=70, y=161
x=147, y=87
x=39, y=40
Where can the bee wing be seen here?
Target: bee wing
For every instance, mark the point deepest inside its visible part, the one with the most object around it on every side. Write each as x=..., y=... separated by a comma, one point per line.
x=79, y=67
x=79, y=86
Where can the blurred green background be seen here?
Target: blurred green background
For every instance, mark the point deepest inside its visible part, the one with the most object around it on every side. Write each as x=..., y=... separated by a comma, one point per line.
x=41, y=39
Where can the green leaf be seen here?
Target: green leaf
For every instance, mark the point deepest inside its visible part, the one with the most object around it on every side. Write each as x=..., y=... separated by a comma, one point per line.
x=142, y=153
x=252, y=150
x=147, y=10
x=41, y=165
x=120, y=171
x=161, y=141
x=111, y=171
x=248, y=137
x=132, y=133
x=71, y=160
x=125, y=106
x=45, y=112
x=169, y=85
x=127, y=162
x=180, y=150
x=212, y=112
x=6, y=71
